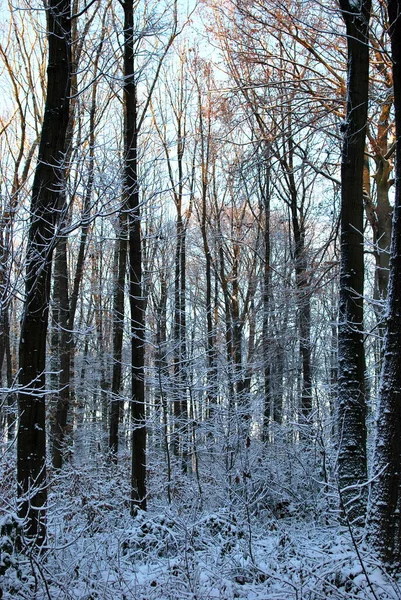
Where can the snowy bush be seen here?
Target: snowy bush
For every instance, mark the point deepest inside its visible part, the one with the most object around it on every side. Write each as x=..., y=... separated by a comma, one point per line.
x=151, y=534
x=16, y=580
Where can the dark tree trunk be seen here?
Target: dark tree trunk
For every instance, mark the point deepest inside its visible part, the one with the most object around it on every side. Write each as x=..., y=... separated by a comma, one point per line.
x=351, y=354
x=66, y=304
x=118, y=333
x=46, y=193
x=131, y=197
x=384, y=518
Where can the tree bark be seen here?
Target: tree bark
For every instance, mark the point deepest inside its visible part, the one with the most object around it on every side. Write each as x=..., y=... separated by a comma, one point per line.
x=352, y=467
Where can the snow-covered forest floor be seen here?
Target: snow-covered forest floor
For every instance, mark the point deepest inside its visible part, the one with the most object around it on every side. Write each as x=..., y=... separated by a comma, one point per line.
x=199, y=547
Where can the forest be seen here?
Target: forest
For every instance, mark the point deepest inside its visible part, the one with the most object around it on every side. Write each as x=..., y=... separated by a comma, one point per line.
x=200, y=300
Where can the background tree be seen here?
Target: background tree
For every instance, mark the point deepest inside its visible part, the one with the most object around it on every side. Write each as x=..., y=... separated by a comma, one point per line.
x=19, y=140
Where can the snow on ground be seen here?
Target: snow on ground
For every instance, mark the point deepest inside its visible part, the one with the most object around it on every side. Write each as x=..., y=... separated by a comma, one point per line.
x=186, y=551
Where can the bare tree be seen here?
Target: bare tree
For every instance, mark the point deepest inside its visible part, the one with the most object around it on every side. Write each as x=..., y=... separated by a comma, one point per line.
x=18, y=148
x=47, y=192
x=64, y=299
x=352, y=468
x=133, y=121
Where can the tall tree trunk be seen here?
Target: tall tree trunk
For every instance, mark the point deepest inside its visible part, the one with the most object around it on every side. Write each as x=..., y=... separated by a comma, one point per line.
x=351, y=355
x=384, y=516
x=131, y=198
x=46, y=193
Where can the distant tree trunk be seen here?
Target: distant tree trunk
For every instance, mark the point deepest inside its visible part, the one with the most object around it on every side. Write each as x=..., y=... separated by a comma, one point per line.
x=5, y=356
x=207, y=157
x=180, y=401
x=265, y=185
x=11, y=407
x=46, y=193
x=183, y=350
x=379, y=213
x=302, y=282
x=162, y=369
x=382, y=229
x=65, y=303
x=61, y=297
x=118, y=333
x=384, y=515
x=211, y=383
x=333, y=381
x=10, y=204
x=131, y=197
x=180, y=437
x=237, y=325
x=352, y=467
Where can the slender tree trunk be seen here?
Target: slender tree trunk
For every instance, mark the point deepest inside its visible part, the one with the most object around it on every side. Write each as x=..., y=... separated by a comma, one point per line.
x=276, y=384
x=177, y=333
x=61, y=297
x=384, y=516
x=302, y=285
x=11, y=405
x=161, y=367
x=183, y=353
x=205, y=122
x=46, y=193
x=5, y=357
x=352, y=467
x=180, y=402
x=118, y=333
x=210, y=340
x=236, y=337
x=264, y=185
